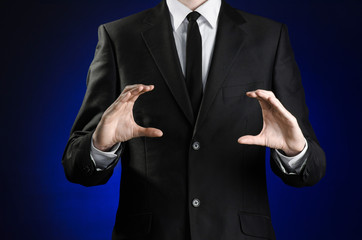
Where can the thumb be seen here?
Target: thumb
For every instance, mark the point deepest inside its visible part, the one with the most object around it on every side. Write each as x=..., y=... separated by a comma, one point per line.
x=149, y=132
x=251, y=140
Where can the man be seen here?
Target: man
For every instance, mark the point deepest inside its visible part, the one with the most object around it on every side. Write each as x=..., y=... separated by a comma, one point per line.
x=217, y=86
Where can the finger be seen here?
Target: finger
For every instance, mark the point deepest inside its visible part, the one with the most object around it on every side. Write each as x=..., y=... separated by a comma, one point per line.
x=254, y=93
x=118, y=103
x=264, y=92
x=252, y=140
x=125, y=97
x=130, y=96
x=148, y=132
x=269, y=98
x=279, y=106
x=262, y=96
x=263, y=104
x=268, y=101
x=125, y=94
x=139, y=91
x=265, y=95
x=264, y=99
x=275, y=104
x=251, y=94
x=132, y=93
x=134, y=86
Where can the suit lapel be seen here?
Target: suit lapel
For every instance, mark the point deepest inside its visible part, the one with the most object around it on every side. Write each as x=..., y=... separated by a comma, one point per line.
x=229, y=40
x=160, y=41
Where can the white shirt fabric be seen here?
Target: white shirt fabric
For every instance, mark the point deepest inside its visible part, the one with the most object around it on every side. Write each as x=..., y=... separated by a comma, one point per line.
x=208, y=26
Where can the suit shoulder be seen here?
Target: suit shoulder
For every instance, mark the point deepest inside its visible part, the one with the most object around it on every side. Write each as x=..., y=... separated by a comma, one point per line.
x=126, y=23
x=260, y=22
x=257, y=19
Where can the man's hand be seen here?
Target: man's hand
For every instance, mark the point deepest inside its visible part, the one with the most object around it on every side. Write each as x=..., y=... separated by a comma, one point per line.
x=117, y=123
x=280, y=127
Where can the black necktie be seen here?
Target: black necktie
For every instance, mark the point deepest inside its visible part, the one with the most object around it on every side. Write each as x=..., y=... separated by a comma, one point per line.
x=194, y=62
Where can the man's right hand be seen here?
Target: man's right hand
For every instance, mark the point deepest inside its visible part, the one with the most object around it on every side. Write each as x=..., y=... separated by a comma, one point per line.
x=117, y=123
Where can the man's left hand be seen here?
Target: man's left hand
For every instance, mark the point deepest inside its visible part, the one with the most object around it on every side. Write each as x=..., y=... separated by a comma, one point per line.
x=280, y=127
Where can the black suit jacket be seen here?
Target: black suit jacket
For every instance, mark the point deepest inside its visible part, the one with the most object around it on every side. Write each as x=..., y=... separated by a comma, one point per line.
x=161, y=176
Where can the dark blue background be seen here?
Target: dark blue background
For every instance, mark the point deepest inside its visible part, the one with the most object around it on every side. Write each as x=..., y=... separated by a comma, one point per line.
x=46, y=48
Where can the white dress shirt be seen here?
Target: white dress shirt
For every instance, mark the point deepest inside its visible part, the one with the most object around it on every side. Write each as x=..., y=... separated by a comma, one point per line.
x=208, y=26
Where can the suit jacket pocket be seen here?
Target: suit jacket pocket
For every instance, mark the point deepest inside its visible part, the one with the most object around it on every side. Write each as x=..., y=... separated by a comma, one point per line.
x=239, y=90
x=256, y=225
x=132, y=226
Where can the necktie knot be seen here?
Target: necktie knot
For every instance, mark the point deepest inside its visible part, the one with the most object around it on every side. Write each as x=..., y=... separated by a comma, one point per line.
x=193, y=16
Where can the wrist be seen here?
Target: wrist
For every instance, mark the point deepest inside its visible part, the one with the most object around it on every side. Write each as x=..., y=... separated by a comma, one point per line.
x=295, y=149
x=100, y=145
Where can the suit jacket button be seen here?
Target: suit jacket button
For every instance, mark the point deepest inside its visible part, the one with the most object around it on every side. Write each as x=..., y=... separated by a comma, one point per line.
x=196, y=202
x=196, y=146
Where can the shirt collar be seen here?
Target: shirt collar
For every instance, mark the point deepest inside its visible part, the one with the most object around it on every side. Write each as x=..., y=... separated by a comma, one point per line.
x=209, y=10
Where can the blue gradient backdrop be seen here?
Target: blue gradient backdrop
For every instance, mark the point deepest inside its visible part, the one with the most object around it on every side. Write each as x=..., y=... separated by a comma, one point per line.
x=46, y=48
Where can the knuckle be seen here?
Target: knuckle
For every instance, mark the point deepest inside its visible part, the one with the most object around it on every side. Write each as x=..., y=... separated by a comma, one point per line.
x=105, y=116
x=128, y=87
x=269, y=93
x=293, y=120
x=274, y=99
x=118, y=105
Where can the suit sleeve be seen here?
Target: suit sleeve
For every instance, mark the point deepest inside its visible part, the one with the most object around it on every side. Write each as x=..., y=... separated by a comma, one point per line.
x=287, y=86
x=102, y=89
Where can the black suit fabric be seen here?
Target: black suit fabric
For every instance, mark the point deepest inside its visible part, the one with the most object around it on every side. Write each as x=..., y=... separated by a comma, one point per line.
x=161, y=176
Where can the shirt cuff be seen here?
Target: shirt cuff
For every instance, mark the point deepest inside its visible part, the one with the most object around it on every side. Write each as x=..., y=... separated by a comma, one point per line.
x=101, y=159
x=291, y=165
